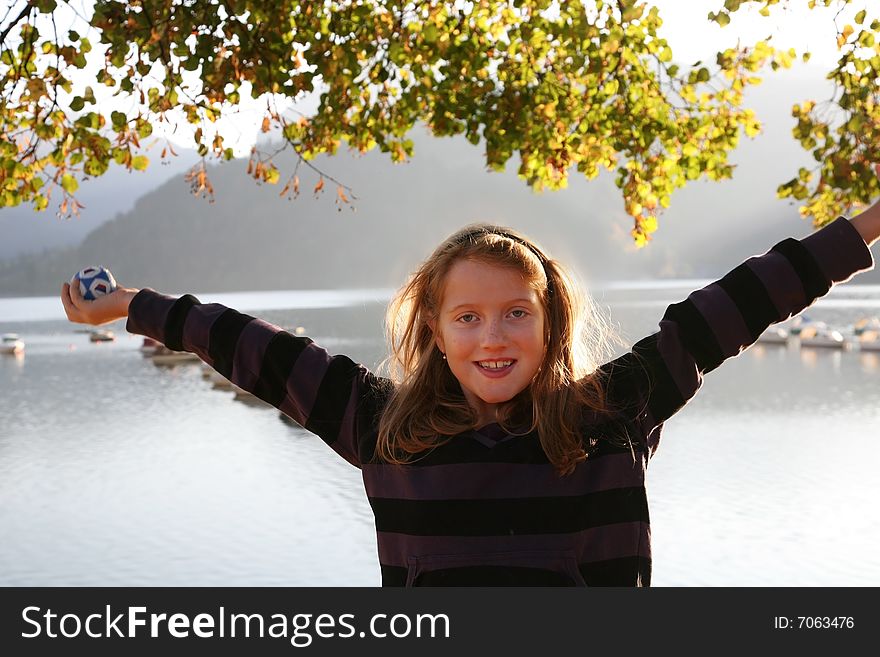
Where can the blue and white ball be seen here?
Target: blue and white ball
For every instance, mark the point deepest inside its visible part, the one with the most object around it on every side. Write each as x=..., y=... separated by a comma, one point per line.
x=94, y=282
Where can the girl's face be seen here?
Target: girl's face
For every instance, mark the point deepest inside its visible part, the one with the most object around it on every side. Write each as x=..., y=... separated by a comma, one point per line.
x=491, y=328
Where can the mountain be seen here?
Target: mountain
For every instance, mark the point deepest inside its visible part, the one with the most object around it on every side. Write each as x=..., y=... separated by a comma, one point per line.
x=24, y=231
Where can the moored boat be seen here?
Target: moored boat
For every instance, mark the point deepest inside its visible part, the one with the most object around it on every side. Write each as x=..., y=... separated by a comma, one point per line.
x=10, y=343
x=247, y=397
x=818, y=334
x=149, y=346
x=774, y=335
x=165, y=356
x=101, y=335
x=868, y=340
x=866, y=324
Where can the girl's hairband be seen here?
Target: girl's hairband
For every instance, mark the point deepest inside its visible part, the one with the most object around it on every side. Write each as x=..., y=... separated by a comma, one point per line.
x=541, y=258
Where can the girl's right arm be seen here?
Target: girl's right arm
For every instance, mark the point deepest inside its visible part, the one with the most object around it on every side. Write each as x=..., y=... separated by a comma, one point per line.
x=331, y=396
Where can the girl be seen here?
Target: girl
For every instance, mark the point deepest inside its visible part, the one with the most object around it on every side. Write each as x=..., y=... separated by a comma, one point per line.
x=496, y=452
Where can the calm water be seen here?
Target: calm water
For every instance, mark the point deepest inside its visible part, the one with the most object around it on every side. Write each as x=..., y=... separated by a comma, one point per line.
x=116, y=472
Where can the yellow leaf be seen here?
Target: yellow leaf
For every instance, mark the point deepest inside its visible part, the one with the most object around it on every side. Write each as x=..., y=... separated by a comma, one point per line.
x=271, y=175
x=69, y=183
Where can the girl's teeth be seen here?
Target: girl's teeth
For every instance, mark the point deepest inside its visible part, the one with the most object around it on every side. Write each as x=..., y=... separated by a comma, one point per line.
x=496, y=365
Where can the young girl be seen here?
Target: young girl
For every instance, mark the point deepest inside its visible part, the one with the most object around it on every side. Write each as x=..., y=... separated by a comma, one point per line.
x=496, y=452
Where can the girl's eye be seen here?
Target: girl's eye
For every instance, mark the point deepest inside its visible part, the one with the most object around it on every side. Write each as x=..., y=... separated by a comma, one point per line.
x=465, y=318
x=522, y=314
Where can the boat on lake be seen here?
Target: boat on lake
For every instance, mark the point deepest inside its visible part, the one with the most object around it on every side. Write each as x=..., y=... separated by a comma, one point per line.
x=774, y=335
x=165, y=356
x=101, y=335
x=247, y=397
x=866, y=334
x=10, y=343
x=149, y=346
x=819, y=334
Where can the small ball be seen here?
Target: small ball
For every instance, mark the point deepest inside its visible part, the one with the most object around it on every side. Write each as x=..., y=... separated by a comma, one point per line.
x=94, y=282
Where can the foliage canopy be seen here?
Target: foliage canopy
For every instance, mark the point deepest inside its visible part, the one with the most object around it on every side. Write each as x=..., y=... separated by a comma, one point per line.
x=586, y=84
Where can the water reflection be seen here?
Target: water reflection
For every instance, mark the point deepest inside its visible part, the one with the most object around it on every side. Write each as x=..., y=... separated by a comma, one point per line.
x=114, y=471
x=870, y=361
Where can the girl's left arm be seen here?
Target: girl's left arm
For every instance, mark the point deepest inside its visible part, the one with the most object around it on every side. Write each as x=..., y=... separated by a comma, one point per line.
x=665, y=370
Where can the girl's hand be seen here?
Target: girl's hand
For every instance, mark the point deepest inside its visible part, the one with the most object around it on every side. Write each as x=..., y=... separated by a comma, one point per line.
x=104, y=309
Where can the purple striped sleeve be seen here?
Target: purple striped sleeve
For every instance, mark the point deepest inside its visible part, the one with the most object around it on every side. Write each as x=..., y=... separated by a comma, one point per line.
x=679, y=363
x=197, y=329
x=248, y=360
x=724, y=318
x=306, y=377
x=147, y=313
x=782, y=282
x=839, y=250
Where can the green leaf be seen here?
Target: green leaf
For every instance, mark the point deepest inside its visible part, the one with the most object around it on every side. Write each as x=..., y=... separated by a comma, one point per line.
x=140, y=162
x=69, y=183
x=722, y=18
x=860, y=17
x=119, y=120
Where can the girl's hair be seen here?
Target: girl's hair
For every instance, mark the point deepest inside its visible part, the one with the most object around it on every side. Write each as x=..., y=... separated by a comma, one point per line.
x=427, y=407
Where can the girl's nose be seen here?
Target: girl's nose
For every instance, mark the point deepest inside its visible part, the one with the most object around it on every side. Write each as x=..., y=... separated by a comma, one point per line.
x=494, y=334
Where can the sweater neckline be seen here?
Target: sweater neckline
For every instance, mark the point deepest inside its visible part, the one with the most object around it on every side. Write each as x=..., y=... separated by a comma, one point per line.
x=492, y=434
x=492, y=430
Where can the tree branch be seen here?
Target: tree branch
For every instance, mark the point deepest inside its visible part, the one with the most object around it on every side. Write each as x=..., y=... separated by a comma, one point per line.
x=24, y=12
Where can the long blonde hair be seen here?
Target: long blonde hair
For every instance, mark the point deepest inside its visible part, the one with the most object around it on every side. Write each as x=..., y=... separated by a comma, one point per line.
x=427, y=407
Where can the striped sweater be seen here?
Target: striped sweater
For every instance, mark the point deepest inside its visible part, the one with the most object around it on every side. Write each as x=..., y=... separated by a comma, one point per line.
x=487, y=508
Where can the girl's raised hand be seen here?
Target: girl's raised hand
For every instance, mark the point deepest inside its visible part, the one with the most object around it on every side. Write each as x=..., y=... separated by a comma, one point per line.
x=104, y=309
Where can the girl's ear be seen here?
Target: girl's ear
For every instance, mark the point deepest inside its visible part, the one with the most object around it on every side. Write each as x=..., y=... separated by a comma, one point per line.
x=438, y=339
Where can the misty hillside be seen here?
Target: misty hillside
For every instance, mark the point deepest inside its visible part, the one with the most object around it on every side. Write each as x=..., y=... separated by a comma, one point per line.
x=24, y=231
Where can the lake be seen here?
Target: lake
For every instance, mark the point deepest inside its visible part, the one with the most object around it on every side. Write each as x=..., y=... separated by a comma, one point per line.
x=114, y=471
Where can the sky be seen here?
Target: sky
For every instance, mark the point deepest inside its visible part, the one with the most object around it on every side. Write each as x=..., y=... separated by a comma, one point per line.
x=791, y=23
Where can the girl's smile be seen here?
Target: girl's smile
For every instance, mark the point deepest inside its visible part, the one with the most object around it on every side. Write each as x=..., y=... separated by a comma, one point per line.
x=491, y=328
x=495, y=368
